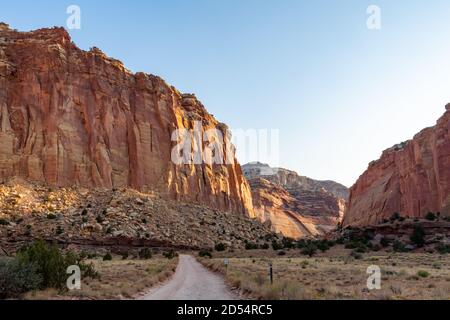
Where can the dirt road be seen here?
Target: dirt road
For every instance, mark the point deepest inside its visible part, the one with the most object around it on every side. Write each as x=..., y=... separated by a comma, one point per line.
x=191, y=281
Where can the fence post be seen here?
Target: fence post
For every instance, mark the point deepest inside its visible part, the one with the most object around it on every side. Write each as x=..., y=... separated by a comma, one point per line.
x=271, y=273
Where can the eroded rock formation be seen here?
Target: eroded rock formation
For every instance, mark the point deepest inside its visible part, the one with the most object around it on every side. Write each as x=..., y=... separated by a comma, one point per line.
x=412, y=179
x=70, y=117
x=295, y=206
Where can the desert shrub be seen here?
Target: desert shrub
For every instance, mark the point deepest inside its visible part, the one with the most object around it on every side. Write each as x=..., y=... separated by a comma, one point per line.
x=50, y=263
x=99, y=219
x=395, y=216
x=357, y=245
x=301, y=243
x=399, y=246
x=51, y=216
x=287, y=242
x=323, y=245
x=107, y=257
x=418, y=236
x=4, y=222
x=250, y=246
x=124, y=254
x=88, y=271
x=443, y=248
x=145, y=253
x=276, y=245
x=309, y=250
x=430, y=216
x=170, y=254
x=84, y=212
x=204, y=253
x=17, y=278
x=84, y=220
x=384, y=242
x=423, y=274
x=220, y=247
x=356, y=255
x=265, y=246
x=59, y=230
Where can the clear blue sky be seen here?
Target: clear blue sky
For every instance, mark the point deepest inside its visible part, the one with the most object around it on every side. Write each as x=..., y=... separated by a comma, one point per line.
x=339, y=93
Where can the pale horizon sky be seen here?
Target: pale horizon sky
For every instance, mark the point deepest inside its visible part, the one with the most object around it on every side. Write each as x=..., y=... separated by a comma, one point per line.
x=338, y=92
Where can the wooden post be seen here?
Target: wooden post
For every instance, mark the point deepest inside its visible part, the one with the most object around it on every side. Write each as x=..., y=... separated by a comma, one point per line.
x=271, y=273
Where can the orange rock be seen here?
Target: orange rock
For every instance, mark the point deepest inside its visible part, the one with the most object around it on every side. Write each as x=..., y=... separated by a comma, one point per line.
x=295, y=206
x=412, y=178
x=71, y=117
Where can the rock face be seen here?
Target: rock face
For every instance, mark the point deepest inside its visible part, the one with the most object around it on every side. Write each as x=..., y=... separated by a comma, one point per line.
x=295, y=206
x=74, y=118
x=412, y=179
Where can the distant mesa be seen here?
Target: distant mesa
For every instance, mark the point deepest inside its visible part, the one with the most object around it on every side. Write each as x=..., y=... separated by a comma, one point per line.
x=293, y=205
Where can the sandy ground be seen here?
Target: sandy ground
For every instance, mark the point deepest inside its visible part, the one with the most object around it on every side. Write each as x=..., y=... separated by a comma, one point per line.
x=191, y=281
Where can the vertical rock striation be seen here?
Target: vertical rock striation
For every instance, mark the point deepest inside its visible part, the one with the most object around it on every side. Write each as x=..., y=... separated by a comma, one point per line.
x=412, y=178
x=74, y=118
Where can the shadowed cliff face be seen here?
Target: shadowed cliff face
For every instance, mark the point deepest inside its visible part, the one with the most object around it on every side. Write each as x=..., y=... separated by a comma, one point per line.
x=412, y=178
x=70, y=117
x=295, y=206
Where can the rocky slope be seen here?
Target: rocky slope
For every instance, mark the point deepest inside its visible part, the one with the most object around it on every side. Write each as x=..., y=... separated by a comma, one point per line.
x=74, y=118
x=116, y=218
x=412, y=179
x=295, y=206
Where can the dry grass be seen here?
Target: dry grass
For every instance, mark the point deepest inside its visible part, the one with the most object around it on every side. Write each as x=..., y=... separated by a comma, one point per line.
x=119, y=279
x=339, y=276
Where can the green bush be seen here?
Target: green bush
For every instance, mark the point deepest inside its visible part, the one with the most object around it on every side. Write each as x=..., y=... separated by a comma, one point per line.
x=265, y=246
x=220, y=247
x=4, y=222
x=251, y=246
x=170, y=254
x=145, y=253
x=99, y=219
x=107, y=257
x=323, y=245
x=356, y=255
x=17, y=278
x=205, y=253
x=399, y=246
x=51, y=216
x=287, y=243
x=309, y=250
x=384, y=242
x=50, y=263
x=423, y=274
x=418, y=236
x=443, y=248
x=430, y=216
x=276, y=245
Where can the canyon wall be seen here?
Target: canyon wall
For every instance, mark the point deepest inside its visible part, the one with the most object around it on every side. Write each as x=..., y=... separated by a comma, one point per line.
x=293, y=205
x=74, y=118
x=412, y=179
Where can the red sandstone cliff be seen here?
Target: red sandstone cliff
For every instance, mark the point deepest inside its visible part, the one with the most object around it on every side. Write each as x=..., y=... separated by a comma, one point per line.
x=70, y=117
x=295, y=206
x=412, y=178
